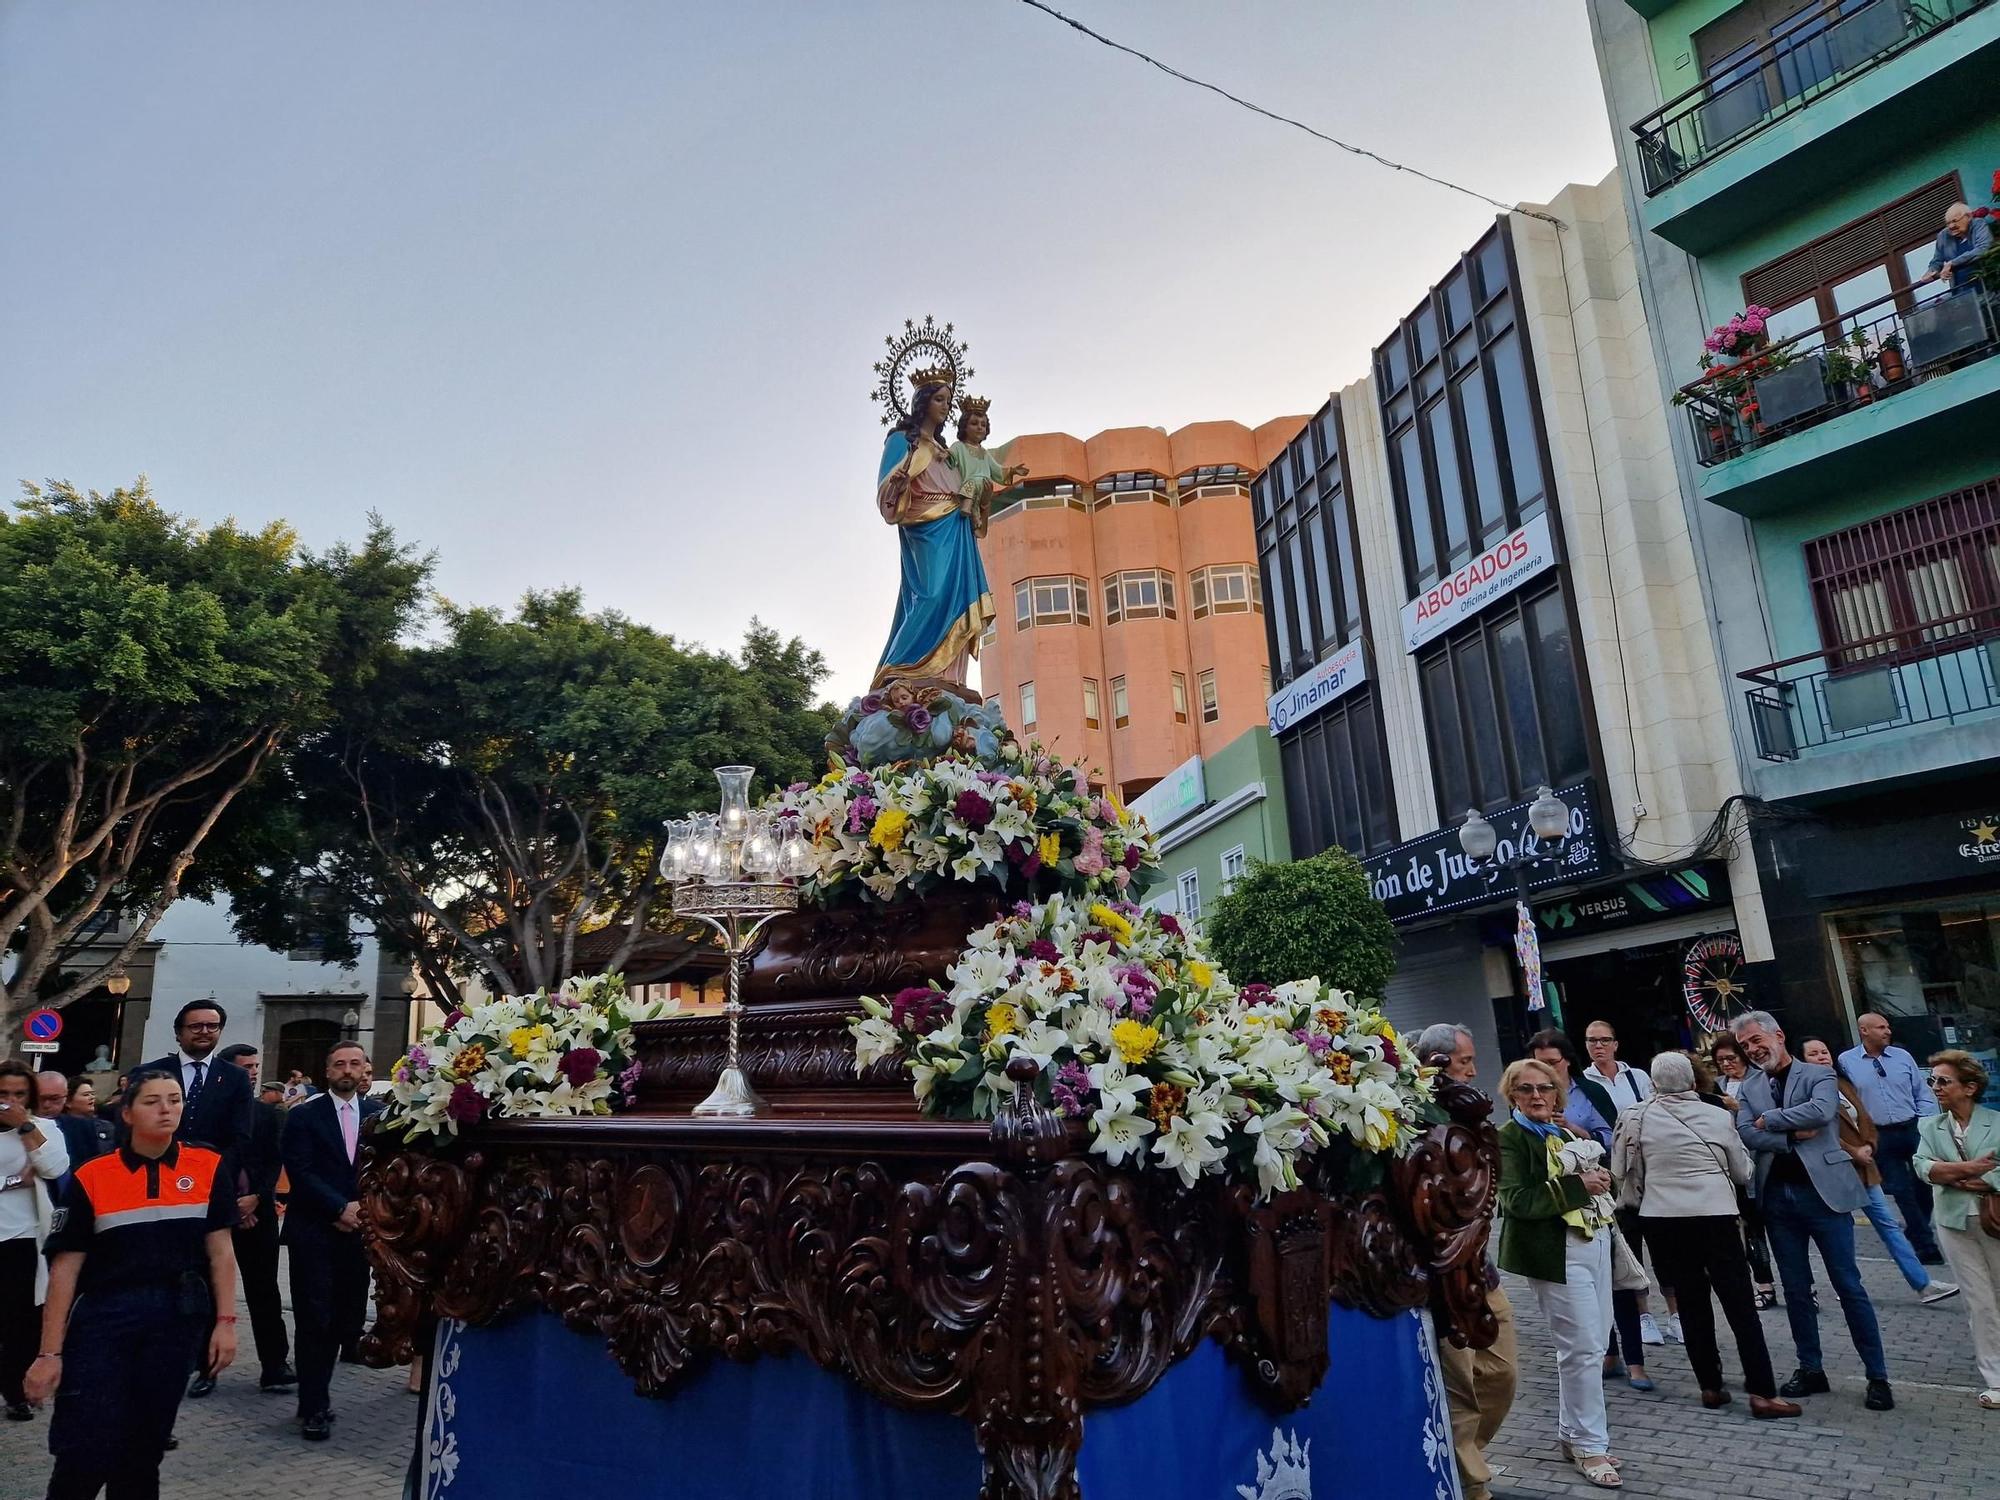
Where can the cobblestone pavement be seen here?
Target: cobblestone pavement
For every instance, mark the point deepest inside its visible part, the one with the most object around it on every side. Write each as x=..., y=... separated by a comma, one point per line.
x=1936, y=1445
x=241, y=1444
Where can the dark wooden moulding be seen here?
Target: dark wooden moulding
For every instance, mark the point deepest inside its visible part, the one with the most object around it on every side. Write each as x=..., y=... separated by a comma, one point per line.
x=994, y=1270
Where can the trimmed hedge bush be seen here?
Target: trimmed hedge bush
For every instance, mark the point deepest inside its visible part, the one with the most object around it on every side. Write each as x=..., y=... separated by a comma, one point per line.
x=1312, y=917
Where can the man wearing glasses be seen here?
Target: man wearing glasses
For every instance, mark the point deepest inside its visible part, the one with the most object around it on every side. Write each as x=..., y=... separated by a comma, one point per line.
x=1897, y=1094
x=220, y=1109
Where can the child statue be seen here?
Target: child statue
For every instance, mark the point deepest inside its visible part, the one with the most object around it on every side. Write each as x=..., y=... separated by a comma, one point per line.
x=981, y=474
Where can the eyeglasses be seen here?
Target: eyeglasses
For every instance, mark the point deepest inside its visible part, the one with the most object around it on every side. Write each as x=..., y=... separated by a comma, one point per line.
x=1534, y=1088
x=201, y=1026
x=1937, y=1082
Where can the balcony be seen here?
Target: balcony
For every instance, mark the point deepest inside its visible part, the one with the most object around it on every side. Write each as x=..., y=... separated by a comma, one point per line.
x=1868, y=393
x=1871, y=698
x=1783, y=126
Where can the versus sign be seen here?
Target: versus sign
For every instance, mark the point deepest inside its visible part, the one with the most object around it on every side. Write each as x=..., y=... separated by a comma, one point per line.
x=1305, y=696
x=1496, y=572
x=1431, y=874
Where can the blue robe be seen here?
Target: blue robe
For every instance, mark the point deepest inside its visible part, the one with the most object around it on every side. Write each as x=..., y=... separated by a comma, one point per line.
x=943, y=603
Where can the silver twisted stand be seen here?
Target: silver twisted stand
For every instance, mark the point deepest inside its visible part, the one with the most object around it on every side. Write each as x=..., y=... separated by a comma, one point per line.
x=738, y=911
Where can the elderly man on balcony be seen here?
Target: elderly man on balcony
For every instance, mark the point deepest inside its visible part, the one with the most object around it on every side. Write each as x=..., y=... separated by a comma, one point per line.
x=1959, y=245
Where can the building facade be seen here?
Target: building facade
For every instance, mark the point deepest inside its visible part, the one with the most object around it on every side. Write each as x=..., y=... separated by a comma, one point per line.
x=1214, y=816
x=1842, y=473
x=1130, y=633
x=1478, y=581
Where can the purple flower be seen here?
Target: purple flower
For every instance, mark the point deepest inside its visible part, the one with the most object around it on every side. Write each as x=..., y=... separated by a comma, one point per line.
x=1046, y=951
x=795, y=788
x=1132, y=856
x=860, y=813
x=1390, y=1055
x=580, y=1066
x=918, y=718
x=1028, y=860
x=919, y=1009
x=419, y=1057
x=991, y=778
x=465, y=1105
x=1315, y=1043
x=871, y=703
x=1070, y=1089
x=453, y=1017
x=1022, y=908
x=1099, y=935
x=973, y=810
x=628, y=1082
x=1171, y=923
x=1255, y=994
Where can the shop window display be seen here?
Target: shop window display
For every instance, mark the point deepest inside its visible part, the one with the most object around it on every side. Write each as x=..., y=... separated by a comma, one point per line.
x=1933, y=969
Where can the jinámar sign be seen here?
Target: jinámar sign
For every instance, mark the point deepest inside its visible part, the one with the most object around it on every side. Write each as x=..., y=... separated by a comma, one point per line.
x=1431, y=875
x=1495, y=573
x=1305, y=696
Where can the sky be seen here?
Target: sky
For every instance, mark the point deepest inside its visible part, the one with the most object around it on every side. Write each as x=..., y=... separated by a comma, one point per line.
x=587, y=293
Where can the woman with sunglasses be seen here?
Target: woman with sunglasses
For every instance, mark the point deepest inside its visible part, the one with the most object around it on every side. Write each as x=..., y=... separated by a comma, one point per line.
x=1555, y=1232
x=1956, y=1154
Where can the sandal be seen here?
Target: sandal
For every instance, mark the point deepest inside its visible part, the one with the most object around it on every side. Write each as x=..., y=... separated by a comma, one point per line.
x=1767, y=1298
x=1990, y=1400
x=1570, y=1453
x=1601, y=1470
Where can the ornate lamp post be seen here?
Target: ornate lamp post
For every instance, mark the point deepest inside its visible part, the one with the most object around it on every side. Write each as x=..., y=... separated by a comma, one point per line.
x=735, y=870
x=1548, y=822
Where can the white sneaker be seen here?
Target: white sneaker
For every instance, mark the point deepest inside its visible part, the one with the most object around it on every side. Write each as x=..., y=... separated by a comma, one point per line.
x=1649, y=1331
x=1674, y=1329
x=1937, y=1291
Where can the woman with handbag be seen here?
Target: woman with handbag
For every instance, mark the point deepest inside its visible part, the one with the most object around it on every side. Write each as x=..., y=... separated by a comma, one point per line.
x=1682, y=1161
x=1727, y=1055
x=1556, y=1230
x=1956, y=1151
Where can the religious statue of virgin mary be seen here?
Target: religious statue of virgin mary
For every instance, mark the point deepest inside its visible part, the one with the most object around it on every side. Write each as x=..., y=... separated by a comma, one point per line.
x=936, y=494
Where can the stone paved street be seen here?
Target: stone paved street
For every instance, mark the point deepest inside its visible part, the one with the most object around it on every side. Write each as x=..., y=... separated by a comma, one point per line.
x=1936, y=1445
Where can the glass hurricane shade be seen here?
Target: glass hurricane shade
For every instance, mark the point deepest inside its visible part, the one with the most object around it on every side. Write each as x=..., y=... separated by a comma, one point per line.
x=1548, y=815
x=1478, y=838
x=735, y=814
x=795, y=856
x=760, y=848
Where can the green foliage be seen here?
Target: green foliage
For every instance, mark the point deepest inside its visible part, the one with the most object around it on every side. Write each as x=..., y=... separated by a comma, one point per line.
x=1311, y=918
x=149, y=668
x=488, y=798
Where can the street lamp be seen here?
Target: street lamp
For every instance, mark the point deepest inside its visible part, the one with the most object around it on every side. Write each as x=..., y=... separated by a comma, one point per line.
x=118, y=986
x=1548, y=821
x=351, y=1022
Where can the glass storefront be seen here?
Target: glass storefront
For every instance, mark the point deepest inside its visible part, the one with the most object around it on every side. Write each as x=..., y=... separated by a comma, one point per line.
x=1932, y=968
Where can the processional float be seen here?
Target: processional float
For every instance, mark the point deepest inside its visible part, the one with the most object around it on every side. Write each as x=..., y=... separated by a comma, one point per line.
x=982, y=1180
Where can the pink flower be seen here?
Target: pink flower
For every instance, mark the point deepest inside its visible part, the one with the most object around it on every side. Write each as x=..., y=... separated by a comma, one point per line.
x=465, y=1105
x=973, y=810
x=1090, y=862
x=918, y=1008
x=1171, y=923
x=580, y=1066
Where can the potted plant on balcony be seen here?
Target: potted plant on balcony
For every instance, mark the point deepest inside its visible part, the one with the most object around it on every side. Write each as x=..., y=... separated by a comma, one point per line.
x=1735, y=355
x=1847, y=368
x=1889, y=359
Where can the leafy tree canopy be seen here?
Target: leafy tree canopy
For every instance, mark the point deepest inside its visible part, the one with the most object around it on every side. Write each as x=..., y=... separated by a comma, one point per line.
x=1313, y=917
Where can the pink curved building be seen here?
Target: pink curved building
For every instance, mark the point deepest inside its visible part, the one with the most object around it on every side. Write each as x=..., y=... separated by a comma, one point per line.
x=1131, y=622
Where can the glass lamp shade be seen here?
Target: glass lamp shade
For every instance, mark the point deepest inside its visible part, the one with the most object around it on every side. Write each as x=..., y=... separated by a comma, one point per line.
x=760, y=849
x=1478, y=838
x=735, y=814
x=795, y=856
x=1548, y=815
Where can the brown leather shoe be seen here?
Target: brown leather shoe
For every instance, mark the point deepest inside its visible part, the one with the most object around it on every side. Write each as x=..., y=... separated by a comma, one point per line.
x=1766, y=1408
x=1714, y=1399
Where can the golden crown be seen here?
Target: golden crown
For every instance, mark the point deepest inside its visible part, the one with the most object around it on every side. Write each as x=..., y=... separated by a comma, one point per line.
x=933, y=375
x=974, y=406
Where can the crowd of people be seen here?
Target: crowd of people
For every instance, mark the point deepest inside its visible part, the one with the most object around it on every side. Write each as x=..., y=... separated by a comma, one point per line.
x=126, y=1225
x=1717, y=1166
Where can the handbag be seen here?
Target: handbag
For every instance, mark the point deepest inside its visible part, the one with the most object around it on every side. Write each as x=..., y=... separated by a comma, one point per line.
x=1988, y=1216
x=1627, y=1275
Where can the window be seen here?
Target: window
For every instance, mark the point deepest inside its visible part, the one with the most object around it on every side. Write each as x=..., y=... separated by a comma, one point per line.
x=1894, y=585
x=1135, y=486
x=1027, y=705
x=1232, y=867
x=1225, y=589
x=1190, y=894
x=1465, y=443
x=1503, y=705
x=1055, y=600
x=1121, y=710
x=1211, y=706
x=989, y=635
x=1212, y=481
x=1090, y=713
x=1305, y=553
x=1337, y=788
x=1877, y=254
x=1142, y=594
x=1179, y=681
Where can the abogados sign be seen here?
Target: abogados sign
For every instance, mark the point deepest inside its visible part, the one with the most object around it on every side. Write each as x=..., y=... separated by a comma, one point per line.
x=1496, y=572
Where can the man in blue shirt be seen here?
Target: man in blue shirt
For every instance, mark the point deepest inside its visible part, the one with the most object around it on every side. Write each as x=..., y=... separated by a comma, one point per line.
x=1896, y=1093
x=1586, y=1106
x=1959, y=245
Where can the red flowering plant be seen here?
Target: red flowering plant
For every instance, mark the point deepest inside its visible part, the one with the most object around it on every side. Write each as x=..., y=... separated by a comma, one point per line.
x=1735, y=354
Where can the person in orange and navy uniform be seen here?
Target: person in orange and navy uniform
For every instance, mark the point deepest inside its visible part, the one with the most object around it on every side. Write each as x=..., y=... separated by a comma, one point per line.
x=142, y=1288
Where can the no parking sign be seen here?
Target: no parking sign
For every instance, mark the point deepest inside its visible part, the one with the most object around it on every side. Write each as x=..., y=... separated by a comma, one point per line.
x=40, y=1030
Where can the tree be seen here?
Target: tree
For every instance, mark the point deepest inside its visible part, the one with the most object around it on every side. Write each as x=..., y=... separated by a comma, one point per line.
x=498, y=794
x=1313, y=917
x=150, y=671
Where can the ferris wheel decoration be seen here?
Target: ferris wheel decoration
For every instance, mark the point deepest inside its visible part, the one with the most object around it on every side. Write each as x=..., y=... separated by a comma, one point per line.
x=921, y=354
x=1712, y=981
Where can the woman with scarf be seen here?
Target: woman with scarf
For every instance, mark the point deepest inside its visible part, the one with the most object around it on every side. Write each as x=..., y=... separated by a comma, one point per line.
x=1682, y=1160
x=1556, y=1231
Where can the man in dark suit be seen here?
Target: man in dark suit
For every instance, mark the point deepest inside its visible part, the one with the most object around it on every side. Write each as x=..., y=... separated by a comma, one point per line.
x=80, y=1135
x=255, y=1237
x=218, y=1100
x=321, y=1150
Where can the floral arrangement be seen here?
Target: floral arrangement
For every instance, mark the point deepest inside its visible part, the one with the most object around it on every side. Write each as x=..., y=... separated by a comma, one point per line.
x=908, y=722
x=1743, y=333
x=522, y=1056
x=1735, y=354
x=1138, y=1036
x=1019, y=821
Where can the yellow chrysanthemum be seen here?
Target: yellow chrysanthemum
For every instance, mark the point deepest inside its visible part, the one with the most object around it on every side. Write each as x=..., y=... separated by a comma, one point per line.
x=1001, y=1020
x=890, y=826
x=1111, y=922
x=1200, y=973
x=1134, y=1041
x=1050, y=848
x=524, y=1039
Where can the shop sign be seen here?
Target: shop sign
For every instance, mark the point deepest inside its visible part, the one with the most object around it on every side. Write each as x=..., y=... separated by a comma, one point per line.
x=1180, y=792
x=1431, y=874
x=1305, y=696
x=1981, y=841
x=1495, y=573
x=1632, y=903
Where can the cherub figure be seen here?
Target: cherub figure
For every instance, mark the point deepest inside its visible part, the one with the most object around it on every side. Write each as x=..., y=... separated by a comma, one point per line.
x=982, y=475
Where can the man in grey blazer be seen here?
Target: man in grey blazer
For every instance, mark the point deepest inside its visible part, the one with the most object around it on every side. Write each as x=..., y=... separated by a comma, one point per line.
x=1788, y=1116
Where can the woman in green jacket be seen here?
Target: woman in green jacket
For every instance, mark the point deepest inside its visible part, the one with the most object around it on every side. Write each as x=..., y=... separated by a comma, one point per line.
x=1553, y=1232
x=1956, y=1154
